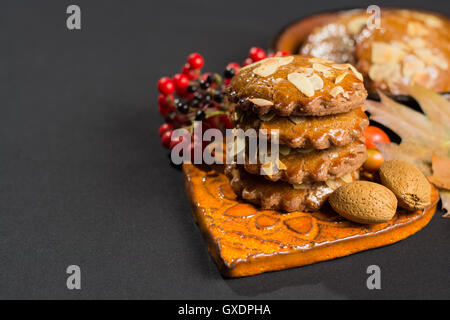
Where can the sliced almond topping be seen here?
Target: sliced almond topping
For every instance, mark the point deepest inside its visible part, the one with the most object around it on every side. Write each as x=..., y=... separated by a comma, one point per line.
x=299, y=186
x=336, y=91
x=440, y=62
x=267, y=168
x=319, y=60
x=316, y=81
x=400, y=45
x=356, y=72
x=425, y=54
x=340, y=77
x=321, y=68
x=433, y=21
x=278, y=80
x=376, y=72
x=236, y=148
x=347, y=178
x=281, y=165
x=430, y=20
x=282, y=61
x=332, y=184
x=340, y=66
x=304, y=150
x=261, y=102
x=412, y=65
x=284, y=149
x=296, y=119
x=236, y=115
x=417, y=43
x=302, y=83
x=356, y=24
x=267, y=67
x=267, y=116
x=254, y=64
x=416, y=29
x=383, y=52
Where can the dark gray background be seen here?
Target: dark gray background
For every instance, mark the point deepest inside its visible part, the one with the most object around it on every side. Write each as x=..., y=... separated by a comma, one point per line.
x=84, y=180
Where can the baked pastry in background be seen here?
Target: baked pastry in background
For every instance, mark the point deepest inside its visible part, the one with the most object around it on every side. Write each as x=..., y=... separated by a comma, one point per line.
x=337, y=40
x=409, y=47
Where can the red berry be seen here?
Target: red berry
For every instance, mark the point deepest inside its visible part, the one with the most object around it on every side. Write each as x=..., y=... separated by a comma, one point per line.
x=281, y=54
x=195, y=60
x=205, y=76
x=166, y=86
x=212, y=122
x=165, y=127
x=256, y=54
x=162, y=100
x=187, y=70
x=225, y=121
x=174, y=142
x=165, y=138
x=163, y=110
x=234, y=65
x=165, y=101
x=247, y=62
x=181, y=82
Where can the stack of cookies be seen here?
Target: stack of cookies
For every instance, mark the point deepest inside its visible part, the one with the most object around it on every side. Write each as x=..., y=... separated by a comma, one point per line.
x=317, y=106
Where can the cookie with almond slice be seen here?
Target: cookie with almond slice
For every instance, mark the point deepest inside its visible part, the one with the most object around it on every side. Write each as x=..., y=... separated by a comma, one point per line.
x=297, y=85
x=308, y=132
x=281, y=195
x=310, y=165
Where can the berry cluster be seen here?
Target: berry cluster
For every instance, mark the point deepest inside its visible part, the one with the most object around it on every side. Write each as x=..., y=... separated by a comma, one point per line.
x=256, y=54
x=199, y=96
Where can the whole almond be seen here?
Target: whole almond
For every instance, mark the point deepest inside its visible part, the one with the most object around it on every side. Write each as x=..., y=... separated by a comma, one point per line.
x=364, y=202
x=408, y=183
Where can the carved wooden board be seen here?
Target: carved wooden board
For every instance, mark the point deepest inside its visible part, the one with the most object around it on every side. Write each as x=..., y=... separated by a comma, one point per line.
x=244, y=240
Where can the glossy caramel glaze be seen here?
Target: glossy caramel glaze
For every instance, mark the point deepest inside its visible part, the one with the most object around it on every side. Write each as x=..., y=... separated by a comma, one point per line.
x=311, y=165
x=281, y=195
x=311, y=132
x=286, y=99
x=244, y=240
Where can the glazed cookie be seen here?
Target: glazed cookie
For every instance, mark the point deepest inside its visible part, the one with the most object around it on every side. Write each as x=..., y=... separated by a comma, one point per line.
x=415, y=50
x=298, y=86
x=281, y=195
x=308, y=132
x=298, y=166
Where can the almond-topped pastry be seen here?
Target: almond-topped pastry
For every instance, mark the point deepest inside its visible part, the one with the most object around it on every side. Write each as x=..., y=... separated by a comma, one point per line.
x=308, y=132
x=298, y=86
x=298, y=166
x=407, y=47
x=412, y=48
x=281, y=195
x=337, y=40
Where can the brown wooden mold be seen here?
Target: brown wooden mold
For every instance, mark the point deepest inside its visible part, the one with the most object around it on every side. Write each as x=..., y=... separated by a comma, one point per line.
x=244, y=240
